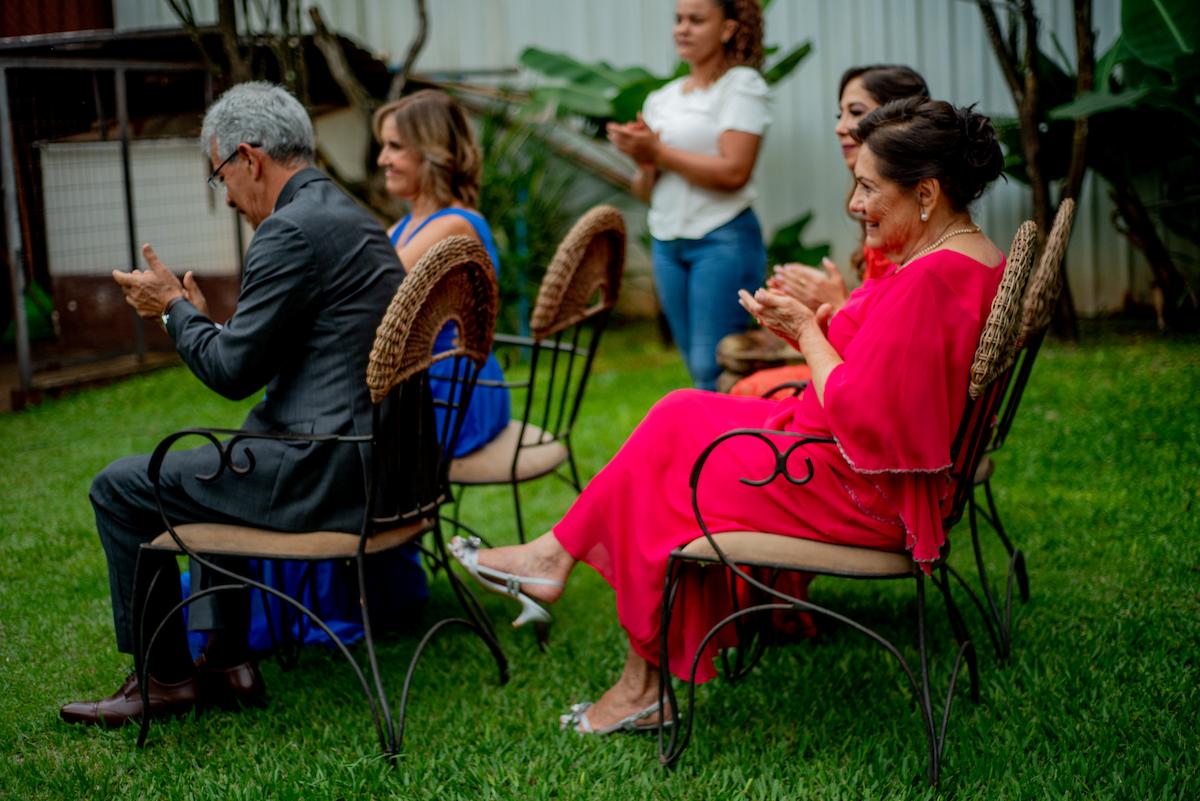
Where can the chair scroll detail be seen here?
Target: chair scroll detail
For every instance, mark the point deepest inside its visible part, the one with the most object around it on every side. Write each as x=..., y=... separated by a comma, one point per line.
x=407, y=480
x=743, y=552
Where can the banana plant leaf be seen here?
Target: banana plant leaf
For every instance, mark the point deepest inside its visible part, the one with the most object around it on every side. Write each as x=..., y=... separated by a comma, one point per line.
x=576, y=99
x=786, y=65
x=1161, y=31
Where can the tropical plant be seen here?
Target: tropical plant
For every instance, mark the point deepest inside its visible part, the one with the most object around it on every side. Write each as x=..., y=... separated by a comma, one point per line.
x=1144, y=93
x=1144, y=139
x=787, y=246
x=530, y=197
x=599, y=92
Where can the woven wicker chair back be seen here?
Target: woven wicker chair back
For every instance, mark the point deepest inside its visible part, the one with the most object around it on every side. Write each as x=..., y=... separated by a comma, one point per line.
x=1046, y=282
x=996, y=344
x=453, y=282
x=585, y=275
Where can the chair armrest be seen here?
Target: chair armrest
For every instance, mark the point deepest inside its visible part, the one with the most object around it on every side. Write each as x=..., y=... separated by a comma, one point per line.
x=225, y=448
x=780, y=469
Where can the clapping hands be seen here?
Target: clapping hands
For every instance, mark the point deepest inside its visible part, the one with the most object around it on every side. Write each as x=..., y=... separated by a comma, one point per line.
x=149, y=291
x=783, y=315
x=635, y=139
x=811, y=286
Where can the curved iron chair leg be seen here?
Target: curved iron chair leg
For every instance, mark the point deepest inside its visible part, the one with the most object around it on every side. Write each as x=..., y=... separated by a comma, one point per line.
x=684, y=721
x=391, y=748
x=666, y=688
x=1017, y=564
x=993, y=611
x=670, y=752
x=405, y=693
x=959, y=627
x=751, y=637
x=470, y=604
x=517, y=505
x=574, y=469
x=993, y=633
x=143, y=654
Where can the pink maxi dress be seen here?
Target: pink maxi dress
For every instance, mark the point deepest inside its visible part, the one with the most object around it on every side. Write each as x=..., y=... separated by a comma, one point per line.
x=893, y=406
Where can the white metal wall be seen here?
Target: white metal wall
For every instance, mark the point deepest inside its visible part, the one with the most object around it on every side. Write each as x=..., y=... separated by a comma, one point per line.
x=800, y=166
x=189, y=224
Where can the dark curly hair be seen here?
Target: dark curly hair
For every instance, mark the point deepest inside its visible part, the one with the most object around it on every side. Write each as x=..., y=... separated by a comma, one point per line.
x=745, y=47
x=918, y=138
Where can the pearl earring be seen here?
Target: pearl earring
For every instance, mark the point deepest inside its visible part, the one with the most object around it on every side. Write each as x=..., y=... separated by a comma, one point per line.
x=924, y=215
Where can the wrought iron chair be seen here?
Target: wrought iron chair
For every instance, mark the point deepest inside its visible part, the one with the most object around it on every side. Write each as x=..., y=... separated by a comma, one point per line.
x=573, y=305
x=1037, y=308
x=408, y=453
x=747, y=555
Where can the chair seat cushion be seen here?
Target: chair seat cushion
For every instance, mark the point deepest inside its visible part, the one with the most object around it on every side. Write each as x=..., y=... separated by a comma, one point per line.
x=759, y=549
x=985, y=469
x=493, y=463
x=218, y=539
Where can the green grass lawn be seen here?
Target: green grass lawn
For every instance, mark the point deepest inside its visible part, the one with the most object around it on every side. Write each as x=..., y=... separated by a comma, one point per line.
x=1099, y=483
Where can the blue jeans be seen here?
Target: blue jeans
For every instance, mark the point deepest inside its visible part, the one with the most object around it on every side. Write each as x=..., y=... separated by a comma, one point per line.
x=698, y=280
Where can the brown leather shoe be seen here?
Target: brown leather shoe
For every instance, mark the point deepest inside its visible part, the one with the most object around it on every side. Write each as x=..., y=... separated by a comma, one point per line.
x=125, y=705
x=231, y=687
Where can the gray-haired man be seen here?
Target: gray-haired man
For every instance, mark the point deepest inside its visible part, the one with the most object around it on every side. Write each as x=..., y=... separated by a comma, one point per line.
x=318, y=276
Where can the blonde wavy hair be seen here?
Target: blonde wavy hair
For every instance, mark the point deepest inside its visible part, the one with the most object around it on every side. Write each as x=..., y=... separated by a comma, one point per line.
x=745, y=47
x=435, y=125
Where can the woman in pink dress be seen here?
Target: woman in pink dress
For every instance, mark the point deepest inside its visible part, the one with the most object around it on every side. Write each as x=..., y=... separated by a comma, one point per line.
x=861, y=91
x=889, y=380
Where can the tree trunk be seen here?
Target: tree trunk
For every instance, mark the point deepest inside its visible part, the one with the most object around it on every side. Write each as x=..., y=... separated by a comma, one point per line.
x=1180, y=310
x=239, y=67
x=414, y=49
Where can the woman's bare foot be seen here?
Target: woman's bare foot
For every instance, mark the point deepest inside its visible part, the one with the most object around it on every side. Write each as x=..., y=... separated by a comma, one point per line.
x=636, y=690
x=541, y=558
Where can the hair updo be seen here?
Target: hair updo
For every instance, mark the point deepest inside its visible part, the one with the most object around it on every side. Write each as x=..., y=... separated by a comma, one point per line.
x=435, y=125
x=918, y=138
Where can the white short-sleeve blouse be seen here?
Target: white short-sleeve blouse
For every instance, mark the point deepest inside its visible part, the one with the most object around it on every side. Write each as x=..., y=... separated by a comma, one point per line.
x=694, y=121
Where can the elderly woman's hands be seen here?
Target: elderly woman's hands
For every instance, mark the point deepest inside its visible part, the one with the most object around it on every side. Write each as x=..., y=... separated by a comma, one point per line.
x=811, y=286
x=785, y=316
x=803, y=329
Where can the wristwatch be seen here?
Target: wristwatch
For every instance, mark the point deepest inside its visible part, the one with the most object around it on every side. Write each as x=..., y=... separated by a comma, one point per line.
x=165, y=317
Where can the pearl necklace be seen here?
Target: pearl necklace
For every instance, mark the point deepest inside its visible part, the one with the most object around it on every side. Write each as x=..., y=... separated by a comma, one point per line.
x=973, y=229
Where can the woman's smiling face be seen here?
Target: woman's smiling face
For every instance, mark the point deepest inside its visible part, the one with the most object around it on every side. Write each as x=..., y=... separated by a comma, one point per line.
x=402, y=165
x=854, y=104
x=891, y=213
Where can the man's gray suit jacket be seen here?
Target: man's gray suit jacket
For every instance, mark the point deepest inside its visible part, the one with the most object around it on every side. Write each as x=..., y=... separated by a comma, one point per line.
x=319, y=274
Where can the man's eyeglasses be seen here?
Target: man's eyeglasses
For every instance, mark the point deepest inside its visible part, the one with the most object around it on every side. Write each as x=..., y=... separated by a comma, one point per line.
x=215, y=181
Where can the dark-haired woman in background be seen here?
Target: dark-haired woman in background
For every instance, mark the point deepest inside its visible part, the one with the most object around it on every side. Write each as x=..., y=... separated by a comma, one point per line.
x=696, y=143
x=861, y=91
x=889, y=381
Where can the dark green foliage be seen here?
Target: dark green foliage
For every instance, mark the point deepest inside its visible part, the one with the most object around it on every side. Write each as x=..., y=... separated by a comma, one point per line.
x=788, y=245
x=530, y=198
x=600, y=92
x=1098, y=483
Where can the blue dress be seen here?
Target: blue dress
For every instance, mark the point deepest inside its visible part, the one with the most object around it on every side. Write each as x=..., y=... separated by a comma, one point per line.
x=396, y=581
x=489, y=411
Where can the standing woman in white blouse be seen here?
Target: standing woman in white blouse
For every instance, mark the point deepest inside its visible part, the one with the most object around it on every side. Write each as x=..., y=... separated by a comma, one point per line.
x=695, y=143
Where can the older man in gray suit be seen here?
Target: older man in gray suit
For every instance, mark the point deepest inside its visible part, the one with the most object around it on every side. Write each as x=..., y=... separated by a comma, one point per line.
x=319, y=274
